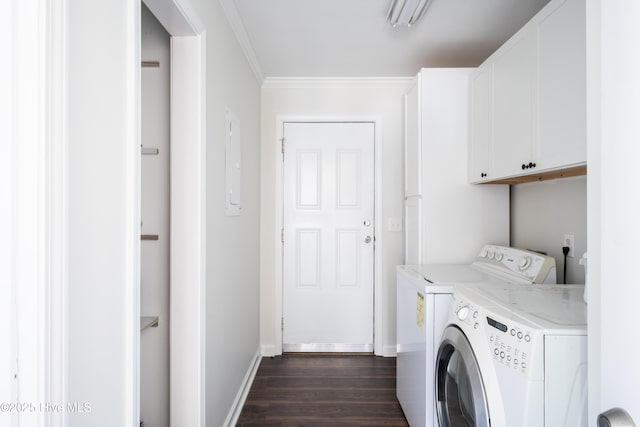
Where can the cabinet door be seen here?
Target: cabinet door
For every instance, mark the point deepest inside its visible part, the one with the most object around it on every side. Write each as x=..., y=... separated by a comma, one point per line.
x=514, y=105
x=480, y=125
x=562, y=82
x=412, y=151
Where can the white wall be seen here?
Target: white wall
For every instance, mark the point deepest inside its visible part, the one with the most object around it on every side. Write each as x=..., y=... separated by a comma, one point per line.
x=543, y=212
x=154, y=211
x=332, y=98
x=613, y=101
x=103, y=237
x=232, y=243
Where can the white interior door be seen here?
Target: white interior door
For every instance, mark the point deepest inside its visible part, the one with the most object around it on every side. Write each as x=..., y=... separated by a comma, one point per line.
x=328, y=237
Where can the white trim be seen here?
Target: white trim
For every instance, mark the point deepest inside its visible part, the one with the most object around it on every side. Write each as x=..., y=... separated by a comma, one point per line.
x=56, y=345
x=132, y=208
x=231, y=13
x=178, y=17
x=33, y=283
x=327, y=348
x=268, y=350
x=187, y=299
x=594, y=207
x=8, y=351
x=278, y=249
x=379, y=240
x=243, y=392
x=389, y=351
x=332, y=82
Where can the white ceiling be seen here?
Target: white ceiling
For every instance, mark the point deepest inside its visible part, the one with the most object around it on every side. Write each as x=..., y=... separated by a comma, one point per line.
x=351, y=38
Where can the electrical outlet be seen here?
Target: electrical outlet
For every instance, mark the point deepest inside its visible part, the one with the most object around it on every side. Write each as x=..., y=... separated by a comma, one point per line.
x=568, y=241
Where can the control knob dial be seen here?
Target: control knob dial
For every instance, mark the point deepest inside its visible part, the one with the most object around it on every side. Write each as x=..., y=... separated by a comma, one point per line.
x=463, y=312
x=524, y=262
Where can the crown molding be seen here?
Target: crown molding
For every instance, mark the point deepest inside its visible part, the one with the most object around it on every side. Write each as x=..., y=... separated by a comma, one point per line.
x=231, y=13
x=333, y=82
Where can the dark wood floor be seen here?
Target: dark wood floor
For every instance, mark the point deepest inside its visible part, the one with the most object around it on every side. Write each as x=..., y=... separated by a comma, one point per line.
x=317, y=390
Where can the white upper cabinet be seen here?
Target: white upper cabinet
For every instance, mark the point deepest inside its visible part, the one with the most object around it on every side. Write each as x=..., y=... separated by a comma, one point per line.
x=514, y=105
x=533, y=119
x=480, y=169
x=562, y=86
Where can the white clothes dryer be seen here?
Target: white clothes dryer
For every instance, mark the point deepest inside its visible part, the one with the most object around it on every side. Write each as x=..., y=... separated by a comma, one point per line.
x=424, y=299
x=514, y=356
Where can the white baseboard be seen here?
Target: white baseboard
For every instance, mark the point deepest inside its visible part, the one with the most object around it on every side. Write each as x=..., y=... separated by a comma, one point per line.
x=269, y=351
x=389, y=351
x=241, y=397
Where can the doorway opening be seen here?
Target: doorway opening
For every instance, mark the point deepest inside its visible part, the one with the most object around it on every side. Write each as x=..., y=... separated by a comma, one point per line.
x=351, y=240
x=186, y=212
x=328, y=237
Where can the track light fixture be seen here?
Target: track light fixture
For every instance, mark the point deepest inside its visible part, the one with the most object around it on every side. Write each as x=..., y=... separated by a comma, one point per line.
x=406, y=12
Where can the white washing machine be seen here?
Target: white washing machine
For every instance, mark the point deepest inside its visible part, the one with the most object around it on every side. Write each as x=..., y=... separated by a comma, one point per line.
x=514, y=356
x=424, y=300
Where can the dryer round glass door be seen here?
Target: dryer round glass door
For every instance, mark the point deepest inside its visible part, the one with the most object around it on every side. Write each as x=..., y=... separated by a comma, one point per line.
x=460, y=396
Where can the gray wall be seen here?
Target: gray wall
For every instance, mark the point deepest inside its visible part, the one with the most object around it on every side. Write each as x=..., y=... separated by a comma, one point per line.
x=543, y=212
x=232, y=243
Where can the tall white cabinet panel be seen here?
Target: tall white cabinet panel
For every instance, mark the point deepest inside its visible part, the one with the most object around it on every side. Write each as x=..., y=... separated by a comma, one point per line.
x=413, y=230
x=412, y=150
x=480, y=125
x=562, y=93
x=514, y=105
x=452, y=218
x=412, y=175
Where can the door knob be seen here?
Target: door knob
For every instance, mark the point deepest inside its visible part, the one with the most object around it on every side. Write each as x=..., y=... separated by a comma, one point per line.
x=367, y=223
x=615, y=417
x=367, y=239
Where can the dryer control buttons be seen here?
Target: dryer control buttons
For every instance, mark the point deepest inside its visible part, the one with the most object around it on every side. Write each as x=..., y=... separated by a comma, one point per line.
x=463, y=312
x=527, y=338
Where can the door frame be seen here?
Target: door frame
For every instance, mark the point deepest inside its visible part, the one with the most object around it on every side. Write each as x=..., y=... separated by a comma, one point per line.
x=187, y=256
x=377, y=229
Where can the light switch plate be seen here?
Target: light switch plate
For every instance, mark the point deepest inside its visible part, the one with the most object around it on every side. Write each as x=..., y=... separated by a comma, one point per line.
x=395, y=224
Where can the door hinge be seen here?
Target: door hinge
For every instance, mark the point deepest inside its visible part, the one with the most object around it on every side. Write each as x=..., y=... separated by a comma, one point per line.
x=282, y=235
x=282, y=145
x=282, y=323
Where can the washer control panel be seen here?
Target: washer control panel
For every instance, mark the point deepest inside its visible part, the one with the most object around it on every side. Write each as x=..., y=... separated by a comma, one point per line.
x=509, y=343
x=518, y=263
